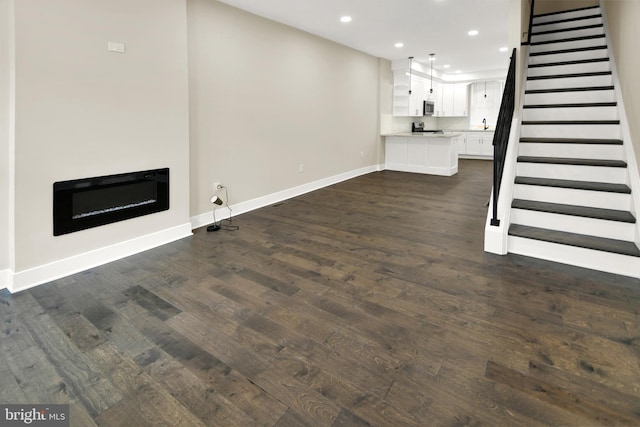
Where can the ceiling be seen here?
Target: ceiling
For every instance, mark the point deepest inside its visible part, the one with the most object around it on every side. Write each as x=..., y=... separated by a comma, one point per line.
x=424, y=26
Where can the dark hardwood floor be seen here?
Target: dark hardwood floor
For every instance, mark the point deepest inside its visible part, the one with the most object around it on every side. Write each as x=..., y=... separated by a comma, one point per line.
x=367, y=303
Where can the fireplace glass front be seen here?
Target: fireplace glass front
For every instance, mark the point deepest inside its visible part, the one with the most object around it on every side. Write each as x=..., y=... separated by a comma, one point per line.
x=91, y=202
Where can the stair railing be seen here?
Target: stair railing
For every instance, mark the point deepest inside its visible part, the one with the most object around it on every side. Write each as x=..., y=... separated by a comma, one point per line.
x=533, y=6
x=501, y=136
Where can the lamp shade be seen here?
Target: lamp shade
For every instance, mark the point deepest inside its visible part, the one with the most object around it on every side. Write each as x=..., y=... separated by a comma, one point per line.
x=216, y=200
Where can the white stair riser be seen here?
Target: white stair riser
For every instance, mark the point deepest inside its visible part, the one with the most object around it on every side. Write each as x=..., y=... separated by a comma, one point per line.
x=563, y=25
x=566, y=15
x=571, y=131
x=595, y=199
x=577, y=113
x=558, y=83
x=568, y=56
x=573, y=44
x=583, y=96
x=567, y=34
x=589, y=67
x=580, y=257
x=574, y=224
x=573, y=172
x=577, y=151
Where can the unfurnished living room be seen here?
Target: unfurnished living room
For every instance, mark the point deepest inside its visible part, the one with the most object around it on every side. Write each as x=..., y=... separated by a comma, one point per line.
x=320, y=213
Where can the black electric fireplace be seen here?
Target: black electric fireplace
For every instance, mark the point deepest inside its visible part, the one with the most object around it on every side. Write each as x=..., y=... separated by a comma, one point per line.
x=91, y=202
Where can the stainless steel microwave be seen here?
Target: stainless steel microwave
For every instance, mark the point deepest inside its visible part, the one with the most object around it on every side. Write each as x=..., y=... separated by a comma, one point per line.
x=428, y=108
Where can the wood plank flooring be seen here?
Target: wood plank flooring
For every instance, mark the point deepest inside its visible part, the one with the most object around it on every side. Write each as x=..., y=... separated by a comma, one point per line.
x=367, y=303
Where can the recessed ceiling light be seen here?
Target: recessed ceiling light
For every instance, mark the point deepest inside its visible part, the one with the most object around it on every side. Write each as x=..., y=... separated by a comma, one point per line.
x=504, y=49
x=473, y=32
x=446, y=66
x=458, y=71
x=345, y=19
x=399, y=44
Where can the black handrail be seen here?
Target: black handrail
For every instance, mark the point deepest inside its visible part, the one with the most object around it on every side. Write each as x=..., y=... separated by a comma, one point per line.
x=501, y=136
x=533, y=5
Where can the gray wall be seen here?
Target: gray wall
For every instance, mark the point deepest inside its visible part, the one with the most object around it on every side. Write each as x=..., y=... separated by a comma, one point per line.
x=82, y=111
x=265, y=98
x=5, y=40
x=623, y=18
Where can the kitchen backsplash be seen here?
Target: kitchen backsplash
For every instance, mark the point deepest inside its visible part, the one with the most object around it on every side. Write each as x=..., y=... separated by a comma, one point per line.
x=455, y=123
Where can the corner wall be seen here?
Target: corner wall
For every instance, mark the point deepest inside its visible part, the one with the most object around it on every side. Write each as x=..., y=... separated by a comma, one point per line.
x=5, y=82
x=623, y=17
x=81, y=111
x=266, y=98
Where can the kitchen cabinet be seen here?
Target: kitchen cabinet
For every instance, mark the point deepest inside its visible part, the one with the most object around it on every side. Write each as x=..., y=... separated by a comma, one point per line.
x=460, y=142
x=404, y=103
x=417, y=97
x=477, y=144
x=454, y=100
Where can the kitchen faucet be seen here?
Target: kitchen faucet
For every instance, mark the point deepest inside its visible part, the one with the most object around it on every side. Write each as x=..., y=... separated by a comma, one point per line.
x=484, y=122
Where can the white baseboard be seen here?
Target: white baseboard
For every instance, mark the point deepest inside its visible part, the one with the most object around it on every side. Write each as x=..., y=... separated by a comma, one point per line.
x=260, y=202
x=26, y=279
x=5, y=276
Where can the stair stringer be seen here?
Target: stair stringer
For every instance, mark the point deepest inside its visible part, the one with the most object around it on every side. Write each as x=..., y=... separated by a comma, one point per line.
x=633, y=174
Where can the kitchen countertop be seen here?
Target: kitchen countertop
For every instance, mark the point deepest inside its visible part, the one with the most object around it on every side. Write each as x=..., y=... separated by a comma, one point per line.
x=425, y=134
x=470, y=130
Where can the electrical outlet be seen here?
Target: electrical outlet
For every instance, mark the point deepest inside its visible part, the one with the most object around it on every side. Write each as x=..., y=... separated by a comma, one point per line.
x=301, y=168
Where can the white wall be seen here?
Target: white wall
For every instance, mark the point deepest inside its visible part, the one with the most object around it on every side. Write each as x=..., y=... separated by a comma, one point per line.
x=82, y=111
x=549, y=6
x=265, y=98
x=623, y=17
x=5, y=40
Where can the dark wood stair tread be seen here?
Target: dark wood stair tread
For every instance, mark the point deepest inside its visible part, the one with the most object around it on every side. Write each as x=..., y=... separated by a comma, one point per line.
x=574, y=19
x=570, y=89
x=573, y=105
x=571, y=39
x=570, y=122
x=573, y=210
x=575, y=185
x=572, y=50
x=562, y=30
x=573, y=161
x=574, y=239
x=574, y=62
x=572, y=75
x=571, y=141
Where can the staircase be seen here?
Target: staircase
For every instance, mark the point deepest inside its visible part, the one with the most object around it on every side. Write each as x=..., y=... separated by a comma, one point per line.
x=572, y=201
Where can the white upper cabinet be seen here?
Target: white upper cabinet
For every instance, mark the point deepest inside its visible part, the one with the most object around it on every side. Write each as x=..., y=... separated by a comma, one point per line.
x=417, y=96
x=452, y=100
x=408, y=94
x=412, y=87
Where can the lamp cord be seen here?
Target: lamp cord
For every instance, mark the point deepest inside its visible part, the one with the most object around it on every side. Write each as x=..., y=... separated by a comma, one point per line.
x=230, y=219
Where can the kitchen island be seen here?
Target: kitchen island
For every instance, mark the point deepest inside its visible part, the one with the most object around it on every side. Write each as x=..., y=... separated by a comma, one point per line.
x=428, y=153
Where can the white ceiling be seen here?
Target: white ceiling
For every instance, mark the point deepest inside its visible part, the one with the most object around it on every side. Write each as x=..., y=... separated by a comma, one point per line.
x=424, y=26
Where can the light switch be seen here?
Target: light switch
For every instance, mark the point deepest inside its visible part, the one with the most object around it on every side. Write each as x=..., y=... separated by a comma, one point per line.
x=115, y=47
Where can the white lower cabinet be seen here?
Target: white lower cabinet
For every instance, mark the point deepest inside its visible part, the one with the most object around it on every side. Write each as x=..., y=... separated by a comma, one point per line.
x=476, y=144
